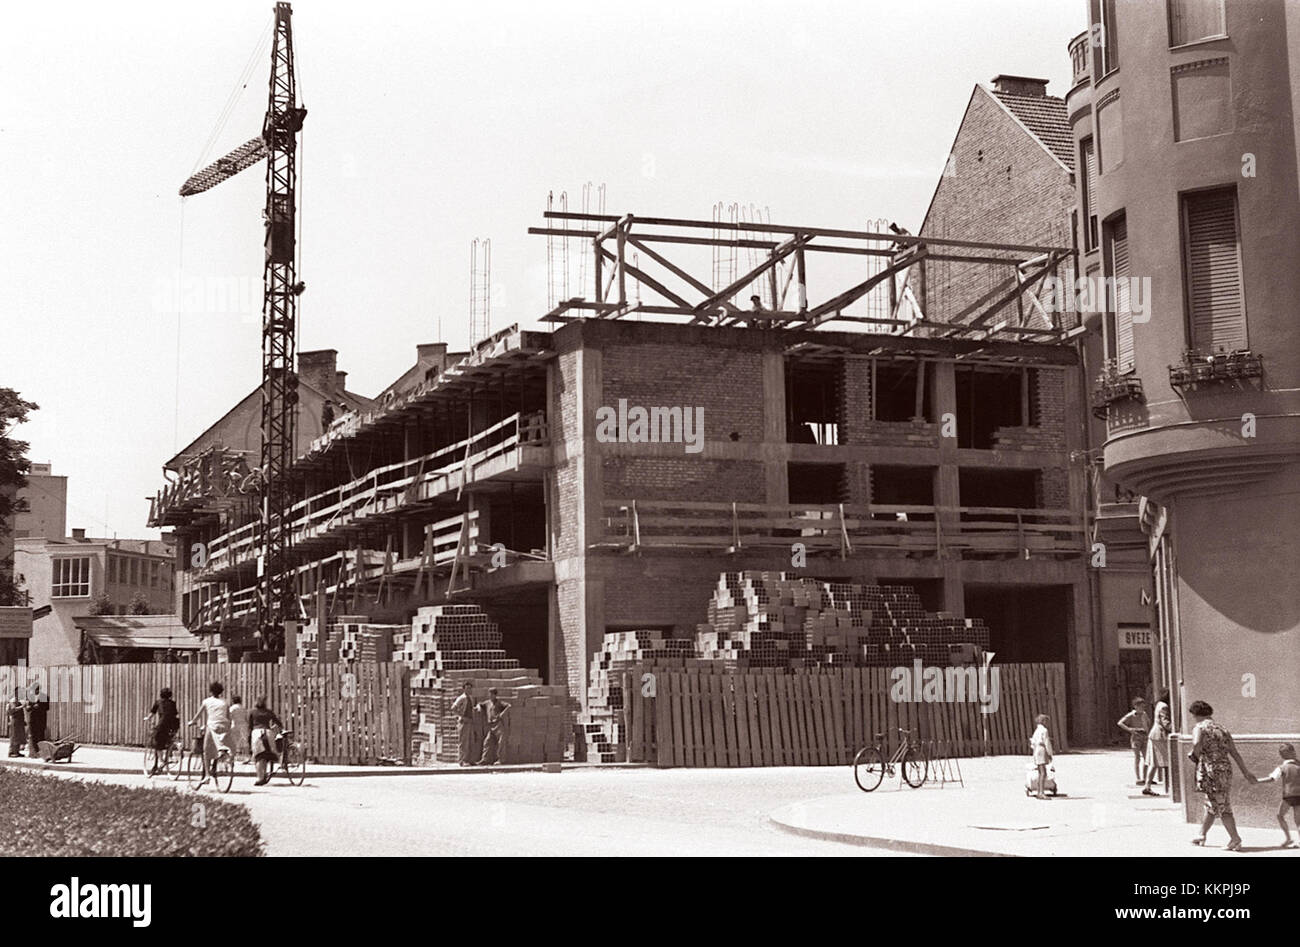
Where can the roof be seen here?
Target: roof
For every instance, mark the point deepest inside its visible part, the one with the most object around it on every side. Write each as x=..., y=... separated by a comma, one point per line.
x=1045, y=118
x=138, y=631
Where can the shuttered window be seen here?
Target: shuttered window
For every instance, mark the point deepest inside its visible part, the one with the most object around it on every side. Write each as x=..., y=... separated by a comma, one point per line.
x=1120, y=346
x=1089, y=162
x=1193, y=20
x=1217, y=316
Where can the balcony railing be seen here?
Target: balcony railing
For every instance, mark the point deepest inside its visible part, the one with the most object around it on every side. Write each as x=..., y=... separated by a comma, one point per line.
x=216, y=479
x=840, y=529
x=383, y=490
x=1079, y=57
x=445, y=540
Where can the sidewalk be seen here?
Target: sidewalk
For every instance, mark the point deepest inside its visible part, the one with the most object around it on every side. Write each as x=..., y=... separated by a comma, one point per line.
x=1101, y=813
x=117, y=761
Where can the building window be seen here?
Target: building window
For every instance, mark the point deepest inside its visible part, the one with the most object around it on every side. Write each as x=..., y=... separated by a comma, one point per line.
x=110, y=570
x=1212, y=263
x=1088, y=161
x=1110, y=133
x=1191, y=21
x=1202, y=95
x=71, y=578
x=1107, y=49
x=1119, y=318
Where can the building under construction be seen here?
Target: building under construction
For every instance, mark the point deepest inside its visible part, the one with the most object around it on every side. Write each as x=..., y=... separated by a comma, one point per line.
x=670, y=426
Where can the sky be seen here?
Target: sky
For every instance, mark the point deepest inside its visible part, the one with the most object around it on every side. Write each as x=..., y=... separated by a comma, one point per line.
x=131, y=316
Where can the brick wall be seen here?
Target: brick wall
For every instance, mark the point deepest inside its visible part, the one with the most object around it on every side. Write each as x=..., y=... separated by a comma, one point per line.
x=1048, y=392
x=1054, y=489
x=726, y=382
x=684, y=478
x=1003, y=187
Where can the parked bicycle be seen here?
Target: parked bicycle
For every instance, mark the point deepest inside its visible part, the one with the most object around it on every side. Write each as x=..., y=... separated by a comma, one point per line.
x=223, y=767
x=870, y=765
x=292, y=758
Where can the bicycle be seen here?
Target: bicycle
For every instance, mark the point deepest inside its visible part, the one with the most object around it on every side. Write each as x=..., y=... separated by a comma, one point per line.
x=170, y=761
x=870, y=765
x=223, y=767
x=292, y=760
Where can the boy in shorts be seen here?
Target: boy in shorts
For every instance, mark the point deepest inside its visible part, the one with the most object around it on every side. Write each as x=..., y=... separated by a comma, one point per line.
x=1288, y=774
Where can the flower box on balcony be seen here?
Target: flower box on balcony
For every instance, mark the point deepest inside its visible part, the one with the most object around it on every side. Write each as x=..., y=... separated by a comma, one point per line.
x=1112, y=387
x=1197, y=369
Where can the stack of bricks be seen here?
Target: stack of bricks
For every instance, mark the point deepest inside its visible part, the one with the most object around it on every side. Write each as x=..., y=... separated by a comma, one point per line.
x=350, y=638
x=598, y=732
x=446, y=638
x=770, y=619
x=537, y=721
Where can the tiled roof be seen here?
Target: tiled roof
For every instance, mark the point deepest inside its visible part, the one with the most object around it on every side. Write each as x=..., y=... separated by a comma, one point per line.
x=1044, y=116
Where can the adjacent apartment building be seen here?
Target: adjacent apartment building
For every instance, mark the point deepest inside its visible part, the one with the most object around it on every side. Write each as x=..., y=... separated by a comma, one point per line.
x=1183, y=115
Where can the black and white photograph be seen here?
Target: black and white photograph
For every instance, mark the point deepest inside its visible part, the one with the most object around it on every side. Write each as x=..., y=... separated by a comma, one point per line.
x=675, y=430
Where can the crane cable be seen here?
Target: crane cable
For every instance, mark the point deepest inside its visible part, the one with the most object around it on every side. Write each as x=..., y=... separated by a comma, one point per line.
x=236, y=93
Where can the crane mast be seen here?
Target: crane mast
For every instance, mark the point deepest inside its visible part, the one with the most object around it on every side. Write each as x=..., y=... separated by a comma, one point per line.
x=277, y=599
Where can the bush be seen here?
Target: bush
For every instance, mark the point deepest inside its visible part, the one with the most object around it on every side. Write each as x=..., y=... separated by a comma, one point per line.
x=48, y=815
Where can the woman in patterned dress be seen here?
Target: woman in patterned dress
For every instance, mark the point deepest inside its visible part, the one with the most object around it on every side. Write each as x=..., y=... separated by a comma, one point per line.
x=1213, y=752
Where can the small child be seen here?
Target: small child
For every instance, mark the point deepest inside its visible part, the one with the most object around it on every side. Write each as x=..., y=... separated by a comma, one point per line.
x=1138, y=724
x=1041, y=746
x=1288, y=774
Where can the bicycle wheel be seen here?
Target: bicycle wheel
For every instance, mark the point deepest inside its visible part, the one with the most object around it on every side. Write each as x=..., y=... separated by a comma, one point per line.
x=869, y=768
x=194, y=767
x=150, y=761
x=915, y=768
x=225, y=771
x=294, y=763
x=174, y=761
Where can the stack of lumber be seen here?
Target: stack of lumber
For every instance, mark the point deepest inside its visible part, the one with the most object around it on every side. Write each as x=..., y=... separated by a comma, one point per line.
x=447, y=638
x=537, y=722
x=598, y=735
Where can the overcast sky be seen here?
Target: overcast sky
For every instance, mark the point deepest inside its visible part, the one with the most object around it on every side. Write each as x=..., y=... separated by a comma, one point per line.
x=429, y=125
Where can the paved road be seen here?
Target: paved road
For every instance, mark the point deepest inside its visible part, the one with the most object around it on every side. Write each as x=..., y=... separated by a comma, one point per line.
x=576, y=812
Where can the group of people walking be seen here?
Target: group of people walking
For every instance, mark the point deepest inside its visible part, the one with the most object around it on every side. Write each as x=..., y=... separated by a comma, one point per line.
x=226, y=724
x=27, y=718
x=1213, y=753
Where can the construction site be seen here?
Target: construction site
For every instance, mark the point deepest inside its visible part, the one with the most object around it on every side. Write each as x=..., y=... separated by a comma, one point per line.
x=732, y=451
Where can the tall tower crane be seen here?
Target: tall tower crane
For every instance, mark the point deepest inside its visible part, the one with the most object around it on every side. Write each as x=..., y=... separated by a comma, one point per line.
x=277, y=600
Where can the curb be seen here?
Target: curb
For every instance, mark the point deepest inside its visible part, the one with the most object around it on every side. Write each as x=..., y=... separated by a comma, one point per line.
x=891, y=844
x=327, y=773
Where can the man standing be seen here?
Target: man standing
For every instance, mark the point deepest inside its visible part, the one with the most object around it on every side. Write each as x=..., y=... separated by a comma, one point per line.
x=38, y=706
x=496, y=710
x=463, y=708
x=17, y=725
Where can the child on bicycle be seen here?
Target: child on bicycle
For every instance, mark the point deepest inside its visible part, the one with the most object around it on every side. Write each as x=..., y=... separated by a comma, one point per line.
x=167, y=723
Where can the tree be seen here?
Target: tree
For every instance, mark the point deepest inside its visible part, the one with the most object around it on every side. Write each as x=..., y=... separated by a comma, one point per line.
x=139, y=604
x=101, y=605
x=13, y=476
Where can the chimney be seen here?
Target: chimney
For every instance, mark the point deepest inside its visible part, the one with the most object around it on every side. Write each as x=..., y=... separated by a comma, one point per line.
x=319, y=369
x=340, y=382
x=1020, y=85
x=431, y=351
x=79, y=535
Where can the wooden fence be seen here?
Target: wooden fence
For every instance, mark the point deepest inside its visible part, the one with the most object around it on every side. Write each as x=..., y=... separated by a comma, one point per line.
x=346, y=715
x=768, y=717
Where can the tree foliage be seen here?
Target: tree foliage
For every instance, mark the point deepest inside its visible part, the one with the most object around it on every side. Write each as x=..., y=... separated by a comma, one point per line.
x=14, y=466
